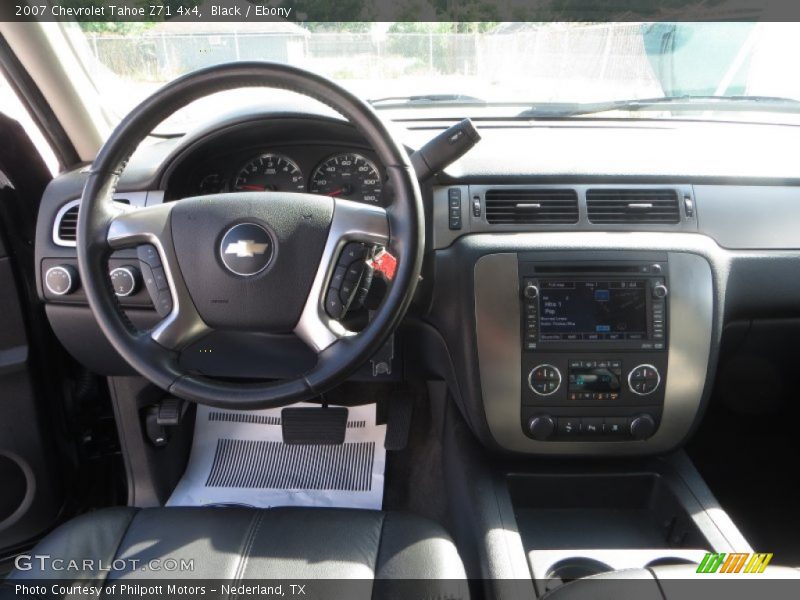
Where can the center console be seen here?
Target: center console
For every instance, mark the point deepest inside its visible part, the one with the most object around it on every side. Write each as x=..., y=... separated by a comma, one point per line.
x=602, y=350
x=594, y=345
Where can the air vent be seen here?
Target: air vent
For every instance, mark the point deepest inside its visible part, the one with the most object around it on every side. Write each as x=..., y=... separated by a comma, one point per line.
x=65, y=231
x=521, y=206
x=632, y=205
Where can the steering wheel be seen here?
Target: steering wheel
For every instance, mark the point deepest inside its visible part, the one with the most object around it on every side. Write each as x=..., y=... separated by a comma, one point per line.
x=255, y=261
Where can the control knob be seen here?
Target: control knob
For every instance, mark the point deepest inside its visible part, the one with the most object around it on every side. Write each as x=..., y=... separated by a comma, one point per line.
x=544, y=380
x=660, y=291
x=642, y=426
x=61, y=280
x=531, y=291
x=125, y=280
x=643, y=380
x=541, y=427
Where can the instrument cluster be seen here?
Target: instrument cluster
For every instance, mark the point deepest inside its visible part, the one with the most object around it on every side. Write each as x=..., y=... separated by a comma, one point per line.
x=352, y=174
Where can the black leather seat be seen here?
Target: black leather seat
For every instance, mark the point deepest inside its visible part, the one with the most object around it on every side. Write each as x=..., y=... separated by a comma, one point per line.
x=236, y=544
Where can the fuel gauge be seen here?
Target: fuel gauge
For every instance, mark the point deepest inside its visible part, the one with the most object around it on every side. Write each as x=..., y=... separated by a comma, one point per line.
x=213, y=183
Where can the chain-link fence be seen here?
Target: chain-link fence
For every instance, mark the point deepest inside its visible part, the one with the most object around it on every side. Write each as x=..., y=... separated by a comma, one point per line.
x=605, y=55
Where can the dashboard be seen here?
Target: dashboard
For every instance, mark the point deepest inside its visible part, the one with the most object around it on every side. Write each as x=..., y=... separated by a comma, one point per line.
x=578, y=276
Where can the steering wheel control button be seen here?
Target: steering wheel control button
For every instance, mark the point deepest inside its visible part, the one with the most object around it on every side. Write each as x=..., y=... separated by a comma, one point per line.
x=352, y=252
x=246, y=249
x=642, y=427
x=350, y=281
x=338, y=277
x=333, y=305
x=61, y=280
x=125, y=280
x=643, y=380
x=544, y=380
x=163, y=303
x=541, y=427
x=148, y=254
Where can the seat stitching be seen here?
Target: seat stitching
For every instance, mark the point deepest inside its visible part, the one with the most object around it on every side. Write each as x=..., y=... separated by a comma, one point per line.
x=247, y=544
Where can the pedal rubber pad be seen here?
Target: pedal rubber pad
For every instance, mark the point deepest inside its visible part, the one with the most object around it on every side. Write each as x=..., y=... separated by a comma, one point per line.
x=398, y=421
x=314, y=425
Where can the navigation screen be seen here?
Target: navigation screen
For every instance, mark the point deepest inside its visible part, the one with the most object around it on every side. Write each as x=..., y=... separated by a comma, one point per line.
x=593, y=310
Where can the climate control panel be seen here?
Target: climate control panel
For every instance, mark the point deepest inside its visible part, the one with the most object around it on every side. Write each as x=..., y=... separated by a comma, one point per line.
x=592, y=397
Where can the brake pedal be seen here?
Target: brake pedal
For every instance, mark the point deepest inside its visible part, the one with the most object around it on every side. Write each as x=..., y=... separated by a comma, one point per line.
x=324, y=425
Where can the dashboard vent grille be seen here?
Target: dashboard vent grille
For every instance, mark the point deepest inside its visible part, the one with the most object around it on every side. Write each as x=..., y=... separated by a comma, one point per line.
x=520, y=206
x=68, y=225
x=632, y=205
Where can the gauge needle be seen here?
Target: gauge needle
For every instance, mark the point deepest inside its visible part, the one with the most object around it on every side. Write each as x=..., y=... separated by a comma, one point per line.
x=257, y=188
x=336, y=192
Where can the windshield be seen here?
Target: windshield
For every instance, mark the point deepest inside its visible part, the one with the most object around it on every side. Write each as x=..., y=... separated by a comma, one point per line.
x=469, y=69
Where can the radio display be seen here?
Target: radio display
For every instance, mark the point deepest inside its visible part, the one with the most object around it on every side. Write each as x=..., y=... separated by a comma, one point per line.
x=593, y=310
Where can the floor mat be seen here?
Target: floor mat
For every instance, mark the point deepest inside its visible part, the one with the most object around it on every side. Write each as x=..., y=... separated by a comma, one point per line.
x=239, y=458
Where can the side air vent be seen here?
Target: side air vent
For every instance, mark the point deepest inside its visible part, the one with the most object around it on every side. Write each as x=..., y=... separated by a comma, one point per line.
x=522, y=206
x=632, y=205
x=65, y=231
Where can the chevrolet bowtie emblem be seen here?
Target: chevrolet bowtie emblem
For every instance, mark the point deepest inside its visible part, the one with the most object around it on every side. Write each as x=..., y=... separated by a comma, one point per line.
x=246, y=248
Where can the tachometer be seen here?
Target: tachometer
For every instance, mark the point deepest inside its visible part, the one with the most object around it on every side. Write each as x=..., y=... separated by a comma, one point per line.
x=348, y=175
x=271, y=173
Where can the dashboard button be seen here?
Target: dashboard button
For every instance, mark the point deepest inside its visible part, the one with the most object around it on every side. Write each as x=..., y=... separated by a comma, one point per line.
x=615, y=426
x=591, y=425
x=568, y=426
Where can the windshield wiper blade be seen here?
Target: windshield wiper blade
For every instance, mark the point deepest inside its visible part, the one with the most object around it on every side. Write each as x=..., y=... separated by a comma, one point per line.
x=716, y=103
x=424, y=100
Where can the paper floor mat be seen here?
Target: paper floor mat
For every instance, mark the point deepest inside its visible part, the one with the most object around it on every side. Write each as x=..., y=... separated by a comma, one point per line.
x=238, y=457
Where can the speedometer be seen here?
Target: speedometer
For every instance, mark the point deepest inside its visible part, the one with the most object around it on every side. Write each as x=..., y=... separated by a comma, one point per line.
x=270, y=173
x=348, y=175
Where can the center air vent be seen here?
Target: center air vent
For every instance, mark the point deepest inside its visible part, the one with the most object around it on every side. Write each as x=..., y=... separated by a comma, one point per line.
x=521, y=206
x=632, y=205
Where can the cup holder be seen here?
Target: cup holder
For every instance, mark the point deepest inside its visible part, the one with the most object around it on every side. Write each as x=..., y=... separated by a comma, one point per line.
x=569, y=569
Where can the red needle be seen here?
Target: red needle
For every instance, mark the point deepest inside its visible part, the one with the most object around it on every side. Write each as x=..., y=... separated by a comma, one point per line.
x=257, y=188
x=336, y=192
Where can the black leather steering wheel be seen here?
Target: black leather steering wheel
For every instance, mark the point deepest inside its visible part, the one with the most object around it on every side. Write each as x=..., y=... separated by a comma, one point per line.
x=304, y=234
